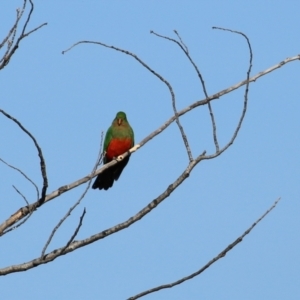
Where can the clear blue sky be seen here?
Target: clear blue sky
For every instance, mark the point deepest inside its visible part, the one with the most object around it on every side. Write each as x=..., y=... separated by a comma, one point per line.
x=67, y=100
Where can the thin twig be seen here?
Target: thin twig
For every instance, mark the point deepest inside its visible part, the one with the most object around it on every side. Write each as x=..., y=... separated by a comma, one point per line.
x=21, y=223
x=22, y=173
x=184, y=49
x=35, y=29
x=21, y=195
x=40, y=153
x=220, y=255
x=245, y=96
x=72, y=207
x=12, y=33
x=100, y=155
x=181, y=41
x=75, y=232
x=14, y=27
x=28, y=19
x=183, y=135
x=11, y=46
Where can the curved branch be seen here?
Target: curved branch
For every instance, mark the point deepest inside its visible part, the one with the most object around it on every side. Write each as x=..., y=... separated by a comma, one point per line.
x=24, y=175
x=40, y=153
x=245, y=97
x=185, y=50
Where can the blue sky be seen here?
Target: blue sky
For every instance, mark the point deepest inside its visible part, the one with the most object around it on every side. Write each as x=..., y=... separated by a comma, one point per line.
x=67, y=100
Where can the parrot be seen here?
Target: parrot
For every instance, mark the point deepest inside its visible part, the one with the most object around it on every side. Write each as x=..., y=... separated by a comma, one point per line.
x=119, y=138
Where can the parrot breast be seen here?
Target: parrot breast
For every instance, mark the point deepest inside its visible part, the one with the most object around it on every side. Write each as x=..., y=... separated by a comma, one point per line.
x=117, y=147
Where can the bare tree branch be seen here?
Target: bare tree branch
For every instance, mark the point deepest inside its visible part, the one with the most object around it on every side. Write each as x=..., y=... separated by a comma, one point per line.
x=74, y=206
x=185, y=50
x=183, y=135
x=38, y=195
x=105, y=233
x=12, y=47
x=21, y=195
x=72, y=245
x=34, y=29
x=181, y=42
x=216, y=258
x=75, y=232
x=21, y=223
x=40, y=153
x=18, y=224
x=24, y=211
x=13, y=29
x=22, y=173
x=245, y=97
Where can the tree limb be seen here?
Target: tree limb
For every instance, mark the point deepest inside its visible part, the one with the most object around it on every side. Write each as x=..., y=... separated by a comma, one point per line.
x=24, y=211
x=216, y=258
x=12, y=47
x=105, y=233
x=40, y=154
x=24, y=175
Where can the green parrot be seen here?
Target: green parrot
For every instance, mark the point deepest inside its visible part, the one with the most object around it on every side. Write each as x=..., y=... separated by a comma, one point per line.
x=119, y=138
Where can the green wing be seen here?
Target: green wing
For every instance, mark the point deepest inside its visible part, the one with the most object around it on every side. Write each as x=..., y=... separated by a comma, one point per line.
x=108, y=138
x=131, y=133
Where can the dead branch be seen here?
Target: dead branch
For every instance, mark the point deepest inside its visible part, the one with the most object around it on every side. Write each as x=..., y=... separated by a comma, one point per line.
x=185, y=50
x=183, y=135
x=75, y=232
x=245, y=97
x=12, y=32
x=21, y=195
x=24, y=175
x=75, y=205
x=12, y=46
x=105, y=233
x=24, y=211
x=216, y=258
x=40, y=154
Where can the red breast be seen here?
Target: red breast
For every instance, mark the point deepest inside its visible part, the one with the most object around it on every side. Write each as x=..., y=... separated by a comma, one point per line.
x=117, y=147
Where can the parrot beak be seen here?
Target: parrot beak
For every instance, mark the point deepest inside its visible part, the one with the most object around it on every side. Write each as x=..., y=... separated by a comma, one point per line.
x=120, y=121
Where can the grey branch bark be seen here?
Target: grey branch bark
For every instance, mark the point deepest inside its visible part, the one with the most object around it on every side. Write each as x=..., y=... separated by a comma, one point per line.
x=24, y=211
x=72, y=244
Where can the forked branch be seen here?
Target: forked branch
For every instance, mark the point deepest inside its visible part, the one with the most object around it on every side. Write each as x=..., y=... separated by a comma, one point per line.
x=184, y=48
x=245, y=97
x=11, y=39
x=99, y=160
x=40, y=154
x=24, y=175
